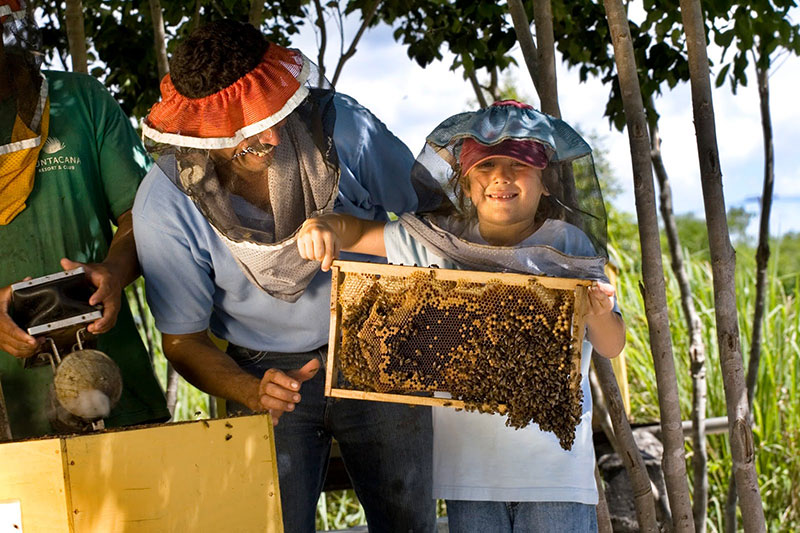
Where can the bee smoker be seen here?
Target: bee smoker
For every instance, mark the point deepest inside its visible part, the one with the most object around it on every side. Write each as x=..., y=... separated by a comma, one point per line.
x=86, y=382
x=55, y=306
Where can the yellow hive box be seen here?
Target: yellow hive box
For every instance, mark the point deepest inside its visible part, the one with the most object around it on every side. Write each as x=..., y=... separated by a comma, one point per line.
x=208, y=475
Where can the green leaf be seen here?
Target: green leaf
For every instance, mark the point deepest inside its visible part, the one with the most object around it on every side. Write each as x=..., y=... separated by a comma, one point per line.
x=721, y=76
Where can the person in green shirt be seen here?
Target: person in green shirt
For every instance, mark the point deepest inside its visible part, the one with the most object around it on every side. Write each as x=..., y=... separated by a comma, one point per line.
x=89, y=165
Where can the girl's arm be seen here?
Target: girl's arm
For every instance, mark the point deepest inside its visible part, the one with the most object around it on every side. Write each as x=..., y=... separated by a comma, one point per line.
x=321, y=238
x=606, y=328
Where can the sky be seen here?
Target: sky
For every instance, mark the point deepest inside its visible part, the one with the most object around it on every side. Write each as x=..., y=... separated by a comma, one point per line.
x=411, y=101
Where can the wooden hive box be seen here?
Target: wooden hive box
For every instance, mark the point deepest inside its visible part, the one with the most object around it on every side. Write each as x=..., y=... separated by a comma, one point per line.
x=403, y=334
x=207, y=475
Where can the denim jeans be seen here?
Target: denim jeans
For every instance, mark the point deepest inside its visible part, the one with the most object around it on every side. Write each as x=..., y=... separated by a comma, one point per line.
x=386, y=448
x=520, y=517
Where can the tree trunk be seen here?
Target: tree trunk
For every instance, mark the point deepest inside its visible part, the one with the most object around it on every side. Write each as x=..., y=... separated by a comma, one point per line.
x=473, y=80
x=697, y=350
x=762, y=254
x=323, y=40
x=159, y=38
x=543, y=19
x=523, y=30
x=5, y=425
x=172, y=388
x=603, y=516
x=653, y=286
x=256, y=15
x=625, y=445
x=762, y=261
x=142, y=312
x=723, y=262
x=76, y=36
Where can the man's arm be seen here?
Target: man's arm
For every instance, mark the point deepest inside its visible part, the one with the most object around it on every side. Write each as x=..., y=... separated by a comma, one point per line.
x=321, y=238
x=205, y=366
x=118, y=269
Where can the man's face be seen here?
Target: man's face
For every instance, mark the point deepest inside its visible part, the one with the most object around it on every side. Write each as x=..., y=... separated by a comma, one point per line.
x=251, y=156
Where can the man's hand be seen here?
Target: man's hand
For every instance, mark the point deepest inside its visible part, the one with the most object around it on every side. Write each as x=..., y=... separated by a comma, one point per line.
x=279, y=391
x=600, y=299
x=108, y=293
x=12, y=339
x=318, y=240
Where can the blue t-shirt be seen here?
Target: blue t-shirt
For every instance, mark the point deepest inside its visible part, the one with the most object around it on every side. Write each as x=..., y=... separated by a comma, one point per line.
x=193, y=281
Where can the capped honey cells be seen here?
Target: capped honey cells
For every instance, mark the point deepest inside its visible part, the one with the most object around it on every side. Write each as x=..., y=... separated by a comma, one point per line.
x=498, y=347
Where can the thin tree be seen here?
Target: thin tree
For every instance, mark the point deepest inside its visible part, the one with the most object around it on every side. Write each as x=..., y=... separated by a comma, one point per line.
x=523, y=30
x=760, y=37
x=546, y=60
x=160, y=46
x=256, y=14
x=366, y=19
x=623, y=442
x=697, y=349
x=76, y=36
x=159, y=38
x=723, y=262
x=653, y=286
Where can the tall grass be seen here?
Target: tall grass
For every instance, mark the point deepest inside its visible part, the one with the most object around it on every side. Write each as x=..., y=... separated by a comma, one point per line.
x=776, y=410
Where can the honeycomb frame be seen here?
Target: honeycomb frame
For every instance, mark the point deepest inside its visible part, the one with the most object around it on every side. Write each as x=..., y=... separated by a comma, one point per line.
x=456, y=282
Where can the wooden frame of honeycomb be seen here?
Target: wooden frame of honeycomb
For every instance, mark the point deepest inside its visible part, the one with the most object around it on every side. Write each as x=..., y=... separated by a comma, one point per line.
x=498, y=342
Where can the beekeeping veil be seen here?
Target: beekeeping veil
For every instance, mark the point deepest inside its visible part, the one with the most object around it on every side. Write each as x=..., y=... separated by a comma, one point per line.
x=24, y=109
x=284, y=90
x=569, y=177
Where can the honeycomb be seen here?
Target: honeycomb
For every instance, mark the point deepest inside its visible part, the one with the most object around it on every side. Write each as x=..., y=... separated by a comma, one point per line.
x=498, y=347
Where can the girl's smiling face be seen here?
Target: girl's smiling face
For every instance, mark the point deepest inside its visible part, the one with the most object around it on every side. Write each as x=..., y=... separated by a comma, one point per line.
x=506, y=194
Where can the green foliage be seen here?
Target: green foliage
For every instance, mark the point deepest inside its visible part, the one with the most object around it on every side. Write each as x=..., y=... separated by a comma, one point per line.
x=120, y=37
x=658, y=50
x=786, y=258
x=760, y=28
x=477, y=33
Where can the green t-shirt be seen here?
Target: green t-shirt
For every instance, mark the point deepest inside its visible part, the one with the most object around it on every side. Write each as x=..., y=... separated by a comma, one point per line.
x=88, y=171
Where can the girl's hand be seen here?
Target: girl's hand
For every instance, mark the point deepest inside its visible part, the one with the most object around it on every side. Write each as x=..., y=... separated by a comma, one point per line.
x=601, y=299
x=318, y=240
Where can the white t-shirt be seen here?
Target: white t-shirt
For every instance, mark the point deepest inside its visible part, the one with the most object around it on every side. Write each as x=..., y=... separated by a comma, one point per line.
x=475, y=456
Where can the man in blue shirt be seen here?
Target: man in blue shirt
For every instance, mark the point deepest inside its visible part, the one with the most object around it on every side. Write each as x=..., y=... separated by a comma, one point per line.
x=248, y=148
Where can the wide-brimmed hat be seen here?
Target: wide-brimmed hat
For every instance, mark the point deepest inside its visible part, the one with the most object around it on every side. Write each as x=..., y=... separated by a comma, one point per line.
x=255, y=102
x=517, y=130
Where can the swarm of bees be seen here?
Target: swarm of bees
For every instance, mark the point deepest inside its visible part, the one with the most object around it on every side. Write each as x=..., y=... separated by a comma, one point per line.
x=500, y=348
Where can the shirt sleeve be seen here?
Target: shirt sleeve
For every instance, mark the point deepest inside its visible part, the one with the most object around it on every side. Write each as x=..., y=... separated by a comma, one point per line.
x=177, y=271
x=375, y=165
x=403, y=249
x=122, y=160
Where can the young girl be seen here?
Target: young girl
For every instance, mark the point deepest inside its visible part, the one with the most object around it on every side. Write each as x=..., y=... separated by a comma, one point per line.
x=506, y=176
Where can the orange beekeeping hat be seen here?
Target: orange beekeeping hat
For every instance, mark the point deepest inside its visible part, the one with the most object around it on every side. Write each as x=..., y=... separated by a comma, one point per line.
x=256, y=101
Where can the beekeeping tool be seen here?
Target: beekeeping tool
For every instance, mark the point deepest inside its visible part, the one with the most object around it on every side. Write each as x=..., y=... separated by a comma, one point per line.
x=54, y=306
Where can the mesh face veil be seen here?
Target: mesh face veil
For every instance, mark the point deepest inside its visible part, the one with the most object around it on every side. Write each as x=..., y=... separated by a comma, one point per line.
x=24, y=110
x=23, y=88
x=570, y=179
x=256, y=158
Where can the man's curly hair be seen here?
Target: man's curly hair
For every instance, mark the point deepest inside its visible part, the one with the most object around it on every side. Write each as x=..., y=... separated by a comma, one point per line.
x=215, y=56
